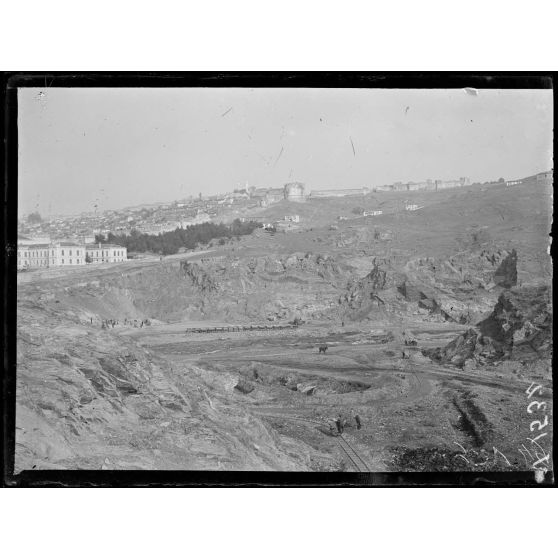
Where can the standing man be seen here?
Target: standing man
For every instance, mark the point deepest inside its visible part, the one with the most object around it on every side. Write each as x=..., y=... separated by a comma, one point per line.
x=338, y=425
x=358, y=423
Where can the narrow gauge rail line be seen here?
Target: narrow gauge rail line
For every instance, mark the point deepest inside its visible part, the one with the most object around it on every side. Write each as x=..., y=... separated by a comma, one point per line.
x=358, y=463
x=235, y=328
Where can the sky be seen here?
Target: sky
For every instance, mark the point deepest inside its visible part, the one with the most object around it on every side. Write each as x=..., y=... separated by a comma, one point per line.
x=112, y=147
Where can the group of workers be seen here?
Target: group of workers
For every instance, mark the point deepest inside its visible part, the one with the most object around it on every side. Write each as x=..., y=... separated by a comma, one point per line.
x=341, y=423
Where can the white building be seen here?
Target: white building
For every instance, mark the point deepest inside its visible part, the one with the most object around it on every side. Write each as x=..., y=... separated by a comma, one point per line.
x=339, y=193
x=106, y=253
x=42, y=255
x=67, y=253
x=412, y=207
x=294, y=191
x=32, y=256
x=292, y=218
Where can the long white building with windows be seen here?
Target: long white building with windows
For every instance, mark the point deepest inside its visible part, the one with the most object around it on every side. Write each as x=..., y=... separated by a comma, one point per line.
x=55, y=254
x=110, y=253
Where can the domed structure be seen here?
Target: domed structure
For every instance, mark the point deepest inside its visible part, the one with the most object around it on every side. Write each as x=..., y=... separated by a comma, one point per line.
x=294, y=191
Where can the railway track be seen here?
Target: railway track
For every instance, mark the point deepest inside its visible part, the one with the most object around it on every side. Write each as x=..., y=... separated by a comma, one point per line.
x=357, y=461
x=359, y=464
x=236, y=328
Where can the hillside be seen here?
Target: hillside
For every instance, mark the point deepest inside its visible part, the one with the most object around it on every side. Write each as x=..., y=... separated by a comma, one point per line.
x=158, y=396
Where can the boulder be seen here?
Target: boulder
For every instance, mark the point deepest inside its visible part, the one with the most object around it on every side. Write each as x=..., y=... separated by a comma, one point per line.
x=244, y=386
x=506, y=274
x=411, y=292
x=457, y=351
x=521, y=318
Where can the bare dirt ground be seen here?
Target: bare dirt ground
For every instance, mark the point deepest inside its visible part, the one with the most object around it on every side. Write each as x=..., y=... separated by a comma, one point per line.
x=396, y=299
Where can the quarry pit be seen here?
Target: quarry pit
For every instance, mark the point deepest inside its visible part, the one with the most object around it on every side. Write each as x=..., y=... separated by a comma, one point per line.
x=225, y=371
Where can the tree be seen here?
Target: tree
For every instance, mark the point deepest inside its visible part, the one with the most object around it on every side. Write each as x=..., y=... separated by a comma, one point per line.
x=192, y=236
x=87, y=258
x=34, y=218
x=100, y=238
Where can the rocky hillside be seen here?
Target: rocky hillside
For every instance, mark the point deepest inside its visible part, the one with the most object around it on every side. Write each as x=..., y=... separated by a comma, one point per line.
x=89, y=398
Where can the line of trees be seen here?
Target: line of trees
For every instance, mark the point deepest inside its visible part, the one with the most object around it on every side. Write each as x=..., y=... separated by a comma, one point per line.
x=171, y=242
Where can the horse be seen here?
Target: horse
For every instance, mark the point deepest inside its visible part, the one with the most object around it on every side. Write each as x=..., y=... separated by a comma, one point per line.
x=322, y=349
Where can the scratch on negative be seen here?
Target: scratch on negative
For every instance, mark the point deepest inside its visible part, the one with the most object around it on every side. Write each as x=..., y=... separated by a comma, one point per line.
x=279, y=156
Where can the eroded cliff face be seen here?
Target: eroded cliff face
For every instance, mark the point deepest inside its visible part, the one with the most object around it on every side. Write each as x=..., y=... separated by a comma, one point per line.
x=519, y=327
x=521, y=320
x=234, y=289
x=307, y=286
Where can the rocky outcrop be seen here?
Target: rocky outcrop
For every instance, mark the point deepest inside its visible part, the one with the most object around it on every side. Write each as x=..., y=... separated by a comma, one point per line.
x=462, y=288
x=457, y=351
x=506, y=274
x=199, y=277
x=361, y=293
x=520, y=322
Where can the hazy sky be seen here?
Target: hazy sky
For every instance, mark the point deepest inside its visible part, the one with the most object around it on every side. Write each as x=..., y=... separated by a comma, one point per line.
x=119, y=147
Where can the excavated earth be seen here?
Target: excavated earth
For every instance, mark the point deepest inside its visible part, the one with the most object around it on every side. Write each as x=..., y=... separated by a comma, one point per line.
x=432, y=343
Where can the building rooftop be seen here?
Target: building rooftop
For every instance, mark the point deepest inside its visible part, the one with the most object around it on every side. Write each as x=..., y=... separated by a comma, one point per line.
x=95, y=246
x=70, y=243
x=34, y=246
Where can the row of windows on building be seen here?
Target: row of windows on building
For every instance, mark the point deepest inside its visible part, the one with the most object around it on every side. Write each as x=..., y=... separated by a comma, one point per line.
x=39, y=253
x=35, y=253
x=47, y=263
x=30, y=256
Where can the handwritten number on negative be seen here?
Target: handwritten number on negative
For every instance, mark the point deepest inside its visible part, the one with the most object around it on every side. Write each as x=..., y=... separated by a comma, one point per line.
x=530, y=392
x=544, y=458
x=541, y=425
x=539, y=404
x=533, y=440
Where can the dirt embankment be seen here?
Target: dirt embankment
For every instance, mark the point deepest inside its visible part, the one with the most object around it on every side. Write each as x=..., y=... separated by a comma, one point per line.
x=251, y=289
x=90, y=398
x=304, y=286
